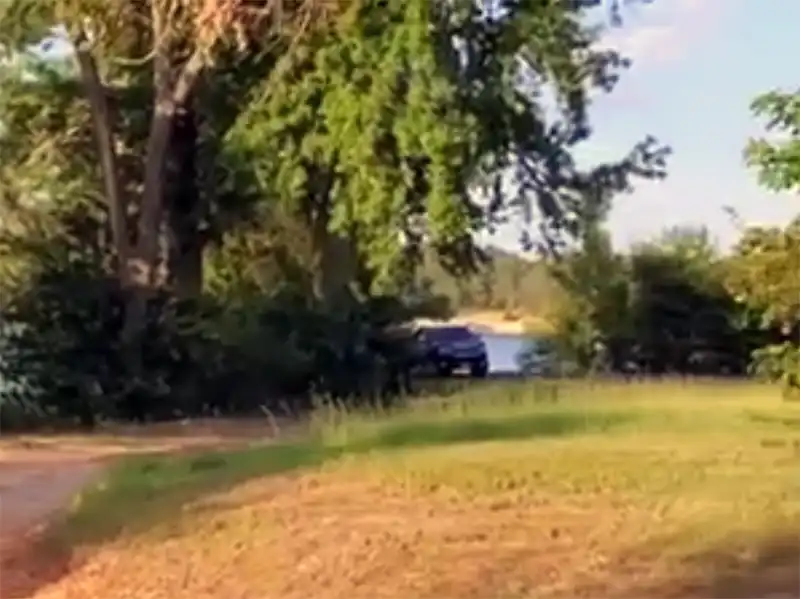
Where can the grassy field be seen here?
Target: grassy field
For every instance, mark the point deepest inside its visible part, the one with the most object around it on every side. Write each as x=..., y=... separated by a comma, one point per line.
x=510, y=490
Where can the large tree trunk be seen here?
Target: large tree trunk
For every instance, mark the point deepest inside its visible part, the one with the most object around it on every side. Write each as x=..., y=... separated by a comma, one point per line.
x=138, y=255
x=185, y=251
x=168, y=97
x=333, y=259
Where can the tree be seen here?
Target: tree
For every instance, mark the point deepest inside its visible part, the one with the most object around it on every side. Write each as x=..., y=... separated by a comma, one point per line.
x=116, y=94
x=778, y=160
x=419, y=105
x=179, y=41
x=182, y=40
x=765, y=274
x=684, y=319
x=661, y=308
x=396, y=132
x=595, y=313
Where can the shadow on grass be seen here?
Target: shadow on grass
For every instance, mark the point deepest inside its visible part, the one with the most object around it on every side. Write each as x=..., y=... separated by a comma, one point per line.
x=771, y=570
x=775, y=572
x=141, y=492
x=463, y=430
x=790, y=422
x=137, y=493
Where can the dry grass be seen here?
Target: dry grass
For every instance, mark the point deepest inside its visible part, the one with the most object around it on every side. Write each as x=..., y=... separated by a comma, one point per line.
x=614, y=490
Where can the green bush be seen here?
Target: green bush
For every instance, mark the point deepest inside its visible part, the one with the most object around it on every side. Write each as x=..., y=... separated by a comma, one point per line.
x=63, y=358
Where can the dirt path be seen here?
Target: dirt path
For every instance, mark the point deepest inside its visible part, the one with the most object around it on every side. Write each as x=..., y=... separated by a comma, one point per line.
x=40, y=474
x=32, y=491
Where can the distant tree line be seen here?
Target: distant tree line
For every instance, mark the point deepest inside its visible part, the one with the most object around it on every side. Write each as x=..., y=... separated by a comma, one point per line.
x=677, y=305
x=514, y=284
x=671, y=306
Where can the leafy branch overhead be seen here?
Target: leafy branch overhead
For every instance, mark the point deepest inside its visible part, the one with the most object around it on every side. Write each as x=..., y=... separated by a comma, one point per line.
x=768, y=273
x=433, y=119
x=778, y=159
x=173, y=41
x=765, y=274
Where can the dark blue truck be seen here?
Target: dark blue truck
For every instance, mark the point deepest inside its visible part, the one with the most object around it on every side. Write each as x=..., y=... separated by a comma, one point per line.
x=449, y=348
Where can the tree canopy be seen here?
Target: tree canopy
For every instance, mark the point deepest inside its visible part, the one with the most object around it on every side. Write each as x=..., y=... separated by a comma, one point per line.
x=679, y=305
x=185, y=182
x=766, y=272
x=192, y=165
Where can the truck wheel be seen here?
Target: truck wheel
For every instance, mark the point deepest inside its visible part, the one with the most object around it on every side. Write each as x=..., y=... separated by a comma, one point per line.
x=444, y=370
x=479, y=370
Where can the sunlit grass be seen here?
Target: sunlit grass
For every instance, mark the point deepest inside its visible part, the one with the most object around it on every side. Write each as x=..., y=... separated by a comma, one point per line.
x=708, y=461
x=554, y=408
x=718, y=456
x=546, y=489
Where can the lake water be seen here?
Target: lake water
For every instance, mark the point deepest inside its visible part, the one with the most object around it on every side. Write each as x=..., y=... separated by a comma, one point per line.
x=504, y=350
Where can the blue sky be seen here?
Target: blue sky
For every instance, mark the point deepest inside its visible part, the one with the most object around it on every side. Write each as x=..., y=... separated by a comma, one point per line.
x=697, y=64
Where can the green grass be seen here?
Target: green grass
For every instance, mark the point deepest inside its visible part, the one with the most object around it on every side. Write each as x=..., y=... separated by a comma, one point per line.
x=140, y=491
x=729, y=447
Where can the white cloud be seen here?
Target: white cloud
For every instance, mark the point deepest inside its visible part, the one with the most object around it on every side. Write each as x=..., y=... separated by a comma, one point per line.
x=662, y=32
x=650, y=43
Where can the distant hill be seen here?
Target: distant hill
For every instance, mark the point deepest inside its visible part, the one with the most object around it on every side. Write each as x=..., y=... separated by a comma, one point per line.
x=515, y=285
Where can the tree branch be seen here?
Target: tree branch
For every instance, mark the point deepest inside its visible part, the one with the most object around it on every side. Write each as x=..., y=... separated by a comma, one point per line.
x=169, y=93
x=104, y=136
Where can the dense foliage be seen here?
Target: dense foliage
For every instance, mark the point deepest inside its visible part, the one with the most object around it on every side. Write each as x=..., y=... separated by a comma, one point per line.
x=223, y=206
x=661, y=308
x=765, y=274
x=679, y=306
x=219, y=205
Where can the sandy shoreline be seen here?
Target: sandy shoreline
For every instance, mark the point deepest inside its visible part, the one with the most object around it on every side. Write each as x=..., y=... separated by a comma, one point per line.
x=492, y=323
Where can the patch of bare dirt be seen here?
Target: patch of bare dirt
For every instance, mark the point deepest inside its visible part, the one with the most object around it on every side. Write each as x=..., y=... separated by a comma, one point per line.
x=321, y=536
x=124, y=439
x=39, y=475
